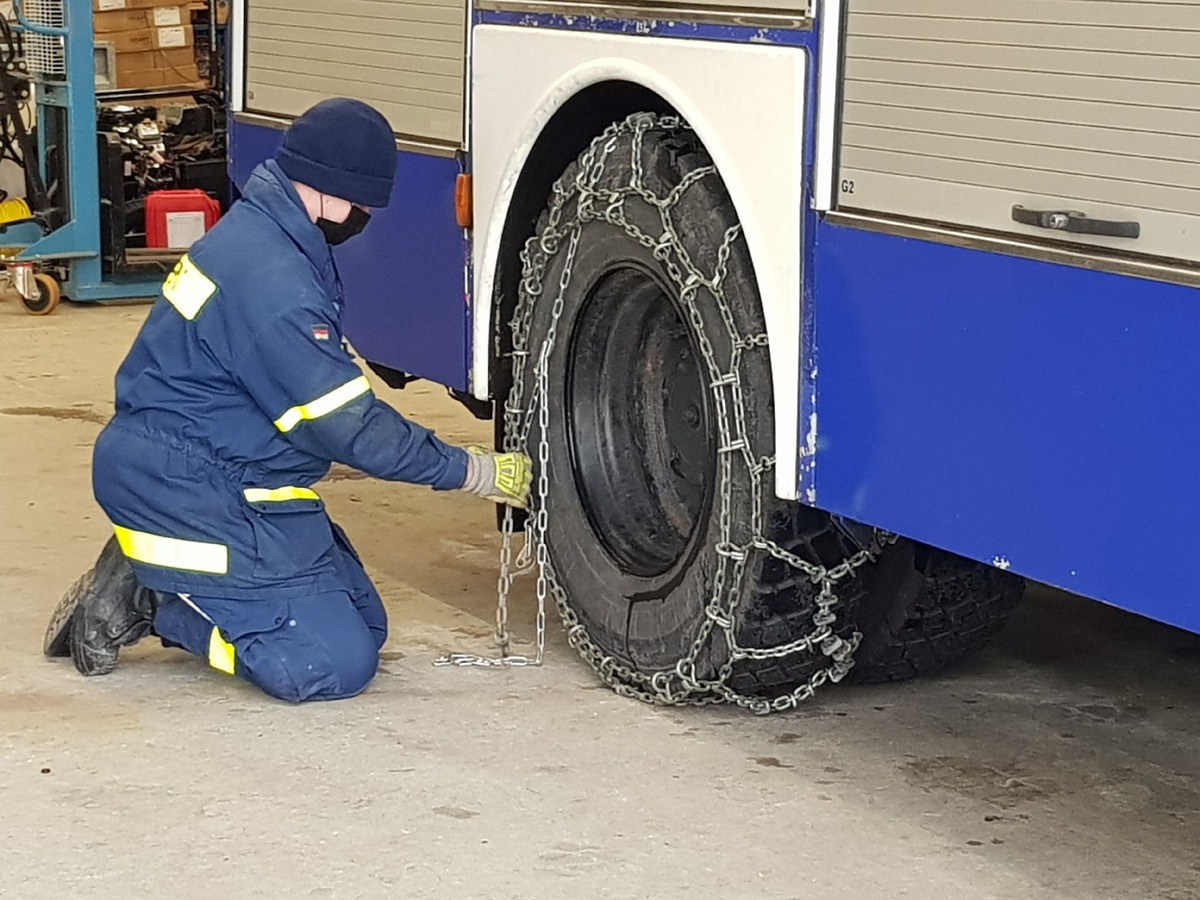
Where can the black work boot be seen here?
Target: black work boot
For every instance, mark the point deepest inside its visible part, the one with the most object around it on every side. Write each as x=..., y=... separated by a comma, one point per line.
x=104, y=610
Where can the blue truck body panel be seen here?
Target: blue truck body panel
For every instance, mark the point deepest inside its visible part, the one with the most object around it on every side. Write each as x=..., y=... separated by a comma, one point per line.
x=1037, y=416
x=406, y=298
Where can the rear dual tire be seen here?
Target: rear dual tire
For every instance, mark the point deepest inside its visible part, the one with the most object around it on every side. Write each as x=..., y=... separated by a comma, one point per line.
x=957, y=608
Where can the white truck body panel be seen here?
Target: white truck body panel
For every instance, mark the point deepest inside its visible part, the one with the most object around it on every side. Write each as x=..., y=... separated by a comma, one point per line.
x=756, y=146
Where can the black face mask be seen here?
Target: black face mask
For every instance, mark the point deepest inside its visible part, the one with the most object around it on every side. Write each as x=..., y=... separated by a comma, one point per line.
x=340, y=232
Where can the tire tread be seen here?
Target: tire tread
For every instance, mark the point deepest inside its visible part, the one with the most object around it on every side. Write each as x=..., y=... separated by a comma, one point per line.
x=960, y=606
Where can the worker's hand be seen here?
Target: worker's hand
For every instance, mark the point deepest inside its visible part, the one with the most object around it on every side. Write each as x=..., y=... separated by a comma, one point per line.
x=500, y=477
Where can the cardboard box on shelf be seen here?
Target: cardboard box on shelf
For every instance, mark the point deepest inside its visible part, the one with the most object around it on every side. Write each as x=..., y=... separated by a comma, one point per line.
x=180, y=76
x=145, y=68
x=134, y=19
x=142, y=39
x=183, y=59
x=108, y=5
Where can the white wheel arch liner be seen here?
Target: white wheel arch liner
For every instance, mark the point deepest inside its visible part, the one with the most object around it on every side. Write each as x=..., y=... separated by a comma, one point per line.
x=745, y=102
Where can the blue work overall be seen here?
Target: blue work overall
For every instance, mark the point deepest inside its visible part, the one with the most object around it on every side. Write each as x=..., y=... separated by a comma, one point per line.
x=232, y=403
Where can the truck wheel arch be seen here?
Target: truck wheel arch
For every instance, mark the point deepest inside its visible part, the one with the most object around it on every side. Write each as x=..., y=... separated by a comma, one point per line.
x=564, y=136
x=572, y=109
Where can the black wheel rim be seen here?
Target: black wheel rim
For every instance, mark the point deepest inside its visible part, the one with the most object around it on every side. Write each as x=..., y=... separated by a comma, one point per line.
x=640, y=432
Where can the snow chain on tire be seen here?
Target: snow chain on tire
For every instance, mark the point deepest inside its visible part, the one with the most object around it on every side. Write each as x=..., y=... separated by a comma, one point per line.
x=572, y=204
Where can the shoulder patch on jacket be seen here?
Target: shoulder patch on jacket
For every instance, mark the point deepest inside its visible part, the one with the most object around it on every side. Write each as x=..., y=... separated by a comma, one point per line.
x=187, y=288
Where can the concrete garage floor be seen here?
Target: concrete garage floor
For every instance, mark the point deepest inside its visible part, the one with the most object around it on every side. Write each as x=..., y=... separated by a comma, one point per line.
x=1063, y=763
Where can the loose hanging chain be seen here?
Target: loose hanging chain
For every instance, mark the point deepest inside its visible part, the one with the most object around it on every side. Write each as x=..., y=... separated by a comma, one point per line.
x=534, y=553
x=575, y=201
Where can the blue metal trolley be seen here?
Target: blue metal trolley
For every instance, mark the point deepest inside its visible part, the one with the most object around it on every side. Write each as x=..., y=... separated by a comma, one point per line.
x=59, y=243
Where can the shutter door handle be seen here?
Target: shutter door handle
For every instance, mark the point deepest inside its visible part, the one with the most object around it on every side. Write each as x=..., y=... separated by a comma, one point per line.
x=1074, y=222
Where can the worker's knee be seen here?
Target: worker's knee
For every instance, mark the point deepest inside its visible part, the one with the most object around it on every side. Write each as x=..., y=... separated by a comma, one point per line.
x=314, y=678
x=323, y=651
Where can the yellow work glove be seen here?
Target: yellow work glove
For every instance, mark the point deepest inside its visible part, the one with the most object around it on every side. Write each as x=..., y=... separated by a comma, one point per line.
x=500, y=477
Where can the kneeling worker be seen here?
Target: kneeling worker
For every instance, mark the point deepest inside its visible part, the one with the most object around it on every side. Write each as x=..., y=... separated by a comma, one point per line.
x=233, y=401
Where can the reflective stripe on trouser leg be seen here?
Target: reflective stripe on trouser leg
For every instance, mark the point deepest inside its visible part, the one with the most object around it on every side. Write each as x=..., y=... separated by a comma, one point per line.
x=221, y=653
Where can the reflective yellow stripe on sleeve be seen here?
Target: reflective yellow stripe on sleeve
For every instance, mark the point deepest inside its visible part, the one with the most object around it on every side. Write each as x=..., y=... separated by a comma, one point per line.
x=325, y=404
x=278, y=495
x=173, y=553
x=221, y=653
x=187, y=288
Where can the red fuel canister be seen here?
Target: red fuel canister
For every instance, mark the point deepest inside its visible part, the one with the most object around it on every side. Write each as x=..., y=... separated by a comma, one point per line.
x=177, y=218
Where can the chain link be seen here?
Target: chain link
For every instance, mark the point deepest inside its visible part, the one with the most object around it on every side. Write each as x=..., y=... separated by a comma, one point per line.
x=574, y=202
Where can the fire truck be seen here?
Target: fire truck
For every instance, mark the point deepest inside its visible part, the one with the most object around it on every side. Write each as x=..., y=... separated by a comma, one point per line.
x=827, y=322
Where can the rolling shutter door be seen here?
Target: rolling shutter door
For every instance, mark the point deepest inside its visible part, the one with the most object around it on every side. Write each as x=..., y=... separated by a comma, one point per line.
x=955, y=111
x=405, y=58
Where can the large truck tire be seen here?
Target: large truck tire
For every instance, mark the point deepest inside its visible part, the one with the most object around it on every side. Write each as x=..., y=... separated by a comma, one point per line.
x=951, y=611
x=639, y=321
